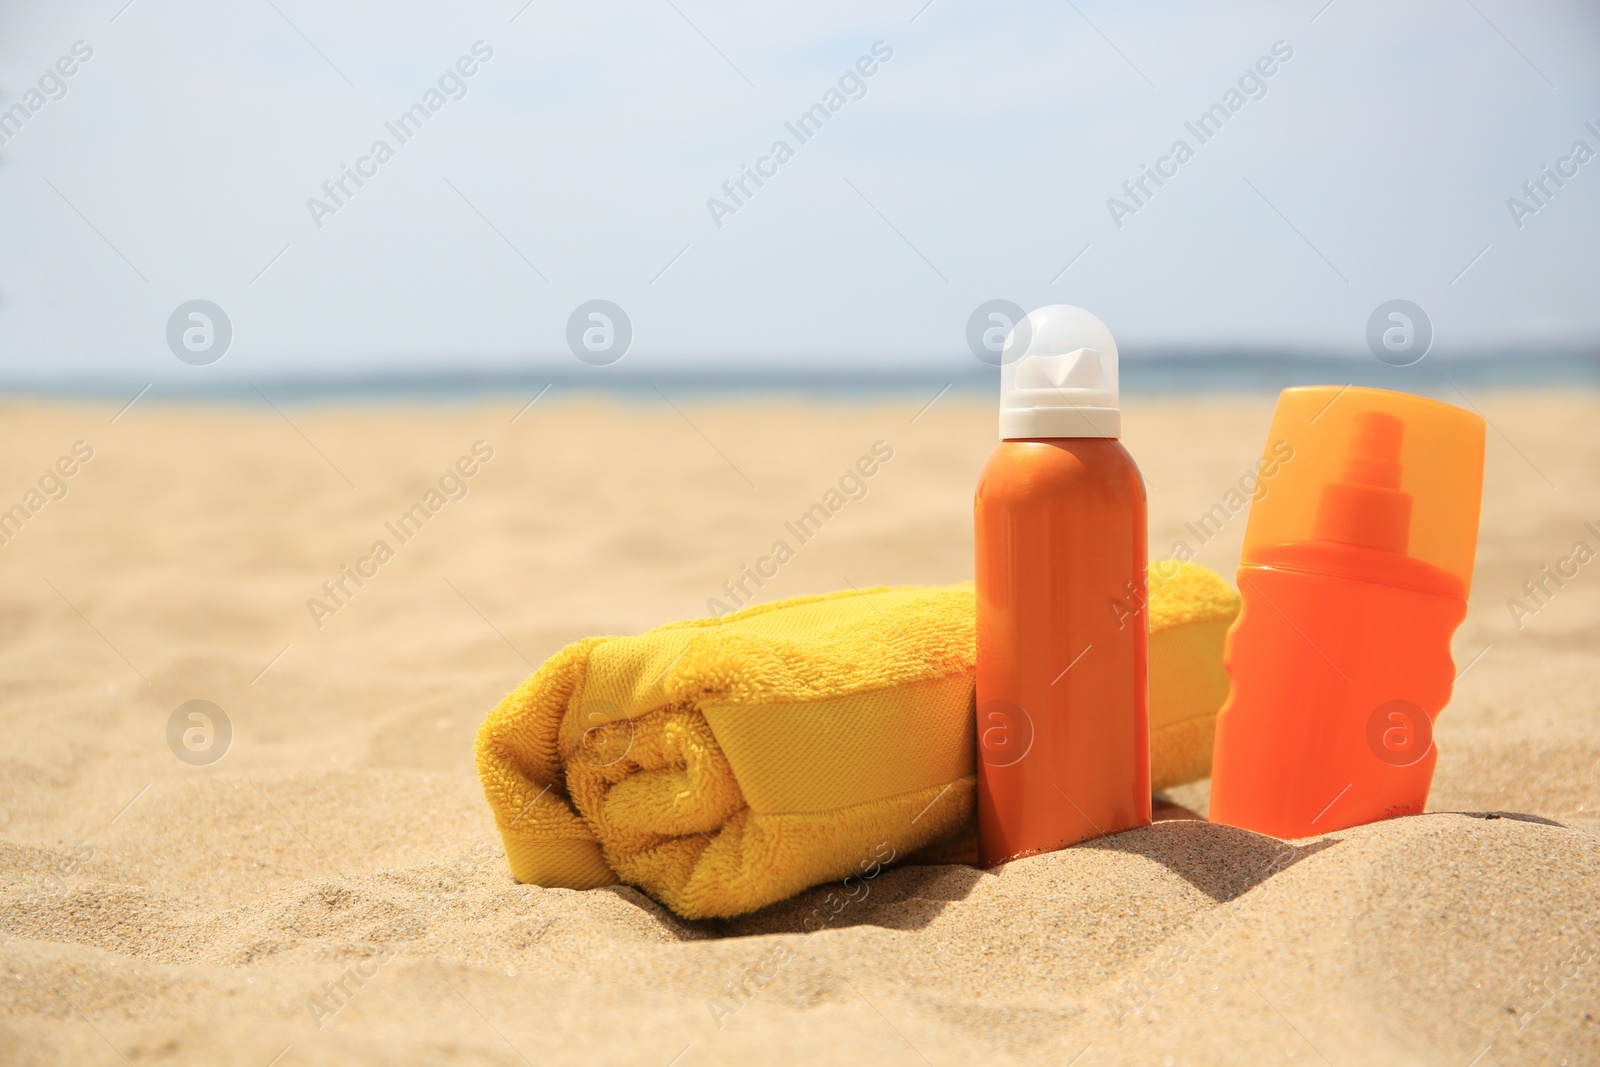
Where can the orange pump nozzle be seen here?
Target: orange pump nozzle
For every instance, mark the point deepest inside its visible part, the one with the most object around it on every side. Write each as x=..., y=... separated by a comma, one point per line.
x=1366, y=506
x=1373, y=476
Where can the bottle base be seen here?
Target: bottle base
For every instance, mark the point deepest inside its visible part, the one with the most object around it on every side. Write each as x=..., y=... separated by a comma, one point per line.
x=986, y=863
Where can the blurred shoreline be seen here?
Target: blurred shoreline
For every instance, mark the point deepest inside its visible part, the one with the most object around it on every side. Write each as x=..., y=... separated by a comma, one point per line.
x=1149, y=374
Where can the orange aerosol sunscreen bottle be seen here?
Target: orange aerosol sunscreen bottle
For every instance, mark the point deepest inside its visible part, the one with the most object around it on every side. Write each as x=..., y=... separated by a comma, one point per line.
x=1354, y=576
x=1062, y=691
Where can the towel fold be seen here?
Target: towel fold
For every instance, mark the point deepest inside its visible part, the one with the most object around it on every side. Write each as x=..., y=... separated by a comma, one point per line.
x=724, y=764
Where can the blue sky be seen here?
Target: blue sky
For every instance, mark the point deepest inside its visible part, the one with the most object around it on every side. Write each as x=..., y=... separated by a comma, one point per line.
x=978, y=165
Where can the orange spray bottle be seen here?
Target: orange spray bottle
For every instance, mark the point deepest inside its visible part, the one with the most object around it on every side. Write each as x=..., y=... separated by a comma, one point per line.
x=1354, y=576
x=1062, y=691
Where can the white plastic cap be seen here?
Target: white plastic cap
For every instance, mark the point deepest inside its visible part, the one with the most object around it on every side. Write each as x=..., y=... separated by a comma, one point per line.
x=1058, y=376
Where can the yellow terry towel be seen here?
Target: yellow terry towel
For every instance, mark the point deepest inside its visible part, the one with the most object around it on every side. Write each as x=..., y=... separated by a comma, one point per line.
x=725, y=764
x=1191, y=609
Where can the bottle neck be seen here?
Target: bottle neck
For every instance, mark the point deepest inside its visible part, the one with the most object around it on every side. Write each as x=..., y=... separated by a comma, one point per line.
x=1032, y=423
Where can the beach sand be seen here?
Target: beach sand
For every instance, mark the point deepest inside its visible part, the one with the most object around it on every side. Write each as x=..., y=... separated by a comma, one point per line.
x=155, y=911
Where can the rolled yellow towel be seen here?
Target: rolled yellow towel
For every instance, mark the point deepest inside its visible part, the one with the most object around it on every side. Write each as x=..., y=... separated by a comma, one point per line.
x=725, y=764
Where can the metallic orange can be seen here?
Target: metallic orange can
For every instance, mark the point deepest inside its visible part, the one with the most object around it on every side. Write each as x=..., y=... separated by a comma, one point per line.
x=1060, y=529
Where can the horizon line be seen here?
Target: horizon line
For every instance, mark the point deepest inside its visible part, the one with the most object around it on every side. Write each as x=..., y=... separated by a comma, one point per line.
x=1142, y=373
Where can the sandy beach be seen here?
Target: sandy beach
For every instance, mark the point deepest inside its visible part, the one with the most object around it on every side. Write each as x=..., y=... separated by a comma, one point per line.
x=331, y=890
